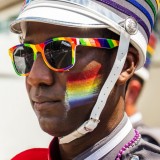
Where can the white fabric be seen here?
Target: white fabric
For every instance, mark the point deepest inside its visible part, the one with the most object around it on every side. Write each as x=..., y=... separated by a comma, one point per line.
x=143, y=73
x=112, y=143
x=135, y=118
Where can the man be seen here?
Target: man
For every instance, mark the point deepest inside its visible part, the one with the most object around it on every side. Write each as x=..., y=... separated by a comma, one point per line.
x=77, y=57
x=135, y=87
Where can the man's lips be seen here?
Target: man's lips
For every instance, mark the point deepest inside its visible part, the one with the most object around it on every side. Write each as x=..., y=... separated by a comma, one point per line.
x=45, y=105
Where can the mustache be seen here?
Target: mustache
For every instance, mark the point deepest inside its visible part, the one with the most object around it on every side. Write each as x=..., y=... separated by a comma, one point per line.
x=45, y=94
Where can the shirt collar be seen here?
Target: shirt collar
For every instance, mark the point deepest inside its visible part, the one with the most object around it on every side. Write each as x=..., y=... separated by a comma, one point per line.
x=110, y=142
x=119, y=133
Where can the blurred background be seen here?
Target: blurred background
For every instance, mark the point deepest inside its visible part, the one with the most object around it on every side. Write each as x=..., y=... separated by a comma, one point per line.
x=19, y=129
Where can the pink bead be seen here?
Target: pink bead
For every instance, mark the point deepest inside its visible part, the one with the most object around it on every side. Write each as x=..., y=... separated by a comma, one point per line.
x=119, y=155
x=121, y=151
x=130, y=143
x=123, y=148
x=126, y=145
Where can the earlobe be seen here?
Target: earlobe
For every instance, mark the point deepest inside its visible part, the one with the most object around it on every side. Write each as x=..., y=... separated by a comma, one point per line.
x=129, y=66
x=126, y=74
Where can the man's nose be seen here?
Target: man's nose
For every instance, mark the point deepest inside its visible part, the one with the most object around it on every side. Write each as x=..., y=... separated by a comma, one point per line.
x=40, y=73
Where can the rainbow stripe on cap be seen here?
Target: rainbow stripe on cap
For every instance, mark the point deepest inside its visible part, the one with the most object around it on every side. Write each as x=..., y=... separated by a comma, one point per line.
x=143, y=72
x=144, y=11
x=150, y=50
x=27, y=1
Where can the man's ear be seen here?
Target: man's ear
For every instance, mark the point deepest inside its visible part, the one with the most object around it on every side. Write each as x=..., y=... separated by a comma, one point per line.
x=129, y=66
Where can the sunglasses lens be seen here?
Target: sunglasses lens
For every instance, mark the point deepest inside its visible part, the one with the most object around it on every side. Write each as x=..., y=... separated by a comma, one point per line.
x=59, y=54
x=23, y=59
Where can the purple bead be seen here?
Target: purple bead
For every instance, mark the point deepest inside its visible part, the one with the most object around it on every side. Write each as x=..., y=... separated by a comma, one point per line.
x=121, y=151
x=119, y=155
x=130, y=143
x=123, y=148
x=126, y=145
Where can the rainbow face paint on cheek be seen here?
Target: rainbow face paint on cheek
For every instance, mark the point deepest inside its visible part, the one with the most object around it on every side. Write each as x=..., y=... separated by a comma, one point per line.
x=83, y=87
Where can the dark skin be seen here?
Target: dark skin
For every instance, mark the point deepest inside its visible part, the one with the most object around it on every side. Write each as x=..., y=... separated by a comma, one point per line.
x=46, y=88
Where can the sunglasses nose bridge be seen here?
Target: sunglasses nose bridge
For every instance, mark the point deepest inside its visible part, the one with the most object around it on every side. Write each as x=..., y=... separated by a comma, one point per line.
x=37, y=49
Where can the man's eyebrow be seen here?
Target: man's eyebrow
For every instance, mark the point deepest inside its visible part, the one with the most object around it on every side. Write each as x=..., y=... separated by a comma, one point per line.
x=32, y=42
x=52, y=37
x=28, y=42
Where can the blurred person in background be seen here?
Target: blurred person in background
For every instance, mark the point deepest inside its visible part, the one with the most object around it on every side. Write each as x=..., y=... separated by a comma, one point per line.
x=134, y=90
x=80, y=56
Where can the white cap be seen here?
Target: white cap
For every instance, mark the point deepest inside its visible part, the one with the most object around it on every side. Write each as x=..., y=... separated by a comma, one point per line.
x=89, y=13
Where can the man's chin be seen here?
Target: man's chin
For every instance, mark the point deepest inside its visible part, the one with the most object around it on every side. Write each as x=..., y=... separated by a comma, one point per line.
x=53, y=128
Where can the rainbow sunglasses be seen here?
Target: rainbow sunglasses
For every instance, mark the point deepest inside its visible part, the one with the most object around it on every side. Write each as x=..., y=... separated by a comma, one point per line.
x=57, y=53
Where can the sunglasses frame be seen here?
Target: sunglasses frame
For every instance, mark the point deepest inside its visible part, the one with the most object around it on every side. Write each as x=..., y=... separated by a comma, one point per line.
x=39, y=48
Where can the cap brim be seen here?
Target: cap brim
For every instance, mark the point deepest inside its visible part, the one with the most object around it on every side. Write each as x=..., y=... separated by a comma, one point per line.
x=56, y=13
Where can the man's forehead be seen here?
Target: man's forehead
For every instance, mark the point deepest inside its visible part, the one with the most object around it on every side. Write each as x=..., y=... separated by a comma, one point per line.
x=67, y=31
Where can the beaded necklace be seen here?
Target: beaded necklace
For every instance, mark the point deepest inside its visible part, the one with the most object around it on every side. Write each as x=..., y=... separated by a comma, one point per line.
x=112, y=143
x=130, y=144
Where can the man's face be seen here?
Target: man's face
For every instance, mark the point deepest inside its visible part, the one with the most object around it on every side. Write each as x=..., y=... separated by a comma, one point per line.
x=62, y=101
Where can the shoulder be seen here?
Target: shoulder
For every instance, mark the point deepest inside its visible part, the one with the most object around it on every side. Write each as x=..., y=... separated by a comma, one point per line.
x=32, y=154
x=144, y=151
x=150, y=134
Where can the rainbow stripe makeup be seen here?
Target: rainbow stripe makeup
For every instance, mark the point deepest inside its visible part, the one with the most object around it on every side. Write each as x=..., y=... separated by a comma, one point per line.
x=83, y=87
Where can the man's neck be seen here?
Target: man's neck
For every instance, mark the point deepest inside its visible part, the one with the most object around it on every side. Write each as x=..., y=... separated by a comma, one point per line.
x=74, y=148
x=111, y=116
